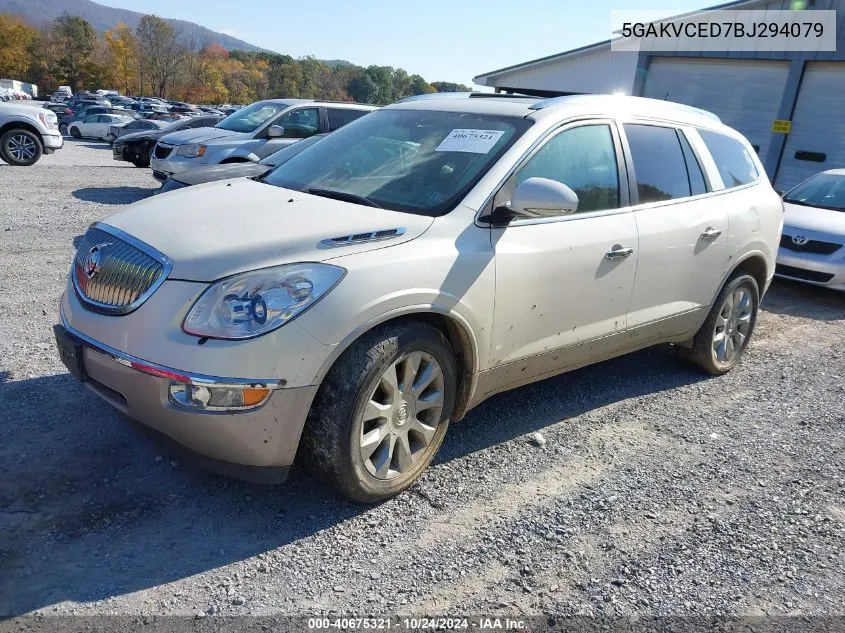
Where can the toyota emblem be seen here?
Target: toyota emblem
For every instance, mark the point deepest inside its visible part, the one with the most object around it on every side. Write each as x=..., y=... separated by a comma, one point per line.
x=800, y=240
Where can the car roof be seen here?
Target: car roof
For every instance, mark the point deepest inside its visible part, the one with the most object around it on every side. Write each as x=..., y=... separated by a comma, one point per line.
x=539, y=108
x=333, y=104
x=840, y=171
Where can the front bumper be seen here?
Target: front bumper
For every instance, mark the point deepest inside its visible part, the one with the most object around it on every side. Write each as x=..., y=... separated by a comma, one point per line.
x=257, y=444
x=52, y=140
x=821, y=270
x=163, y=168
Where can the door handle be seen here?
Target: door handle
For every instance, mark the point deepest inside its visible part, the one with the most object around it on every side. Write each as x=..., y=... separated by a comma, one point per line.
x=710, y=233
x=618, y=252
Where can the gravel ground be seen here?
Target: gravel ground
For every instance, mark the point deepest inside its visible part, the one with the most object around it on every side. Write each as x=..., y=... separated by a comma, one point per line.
x=651, y=491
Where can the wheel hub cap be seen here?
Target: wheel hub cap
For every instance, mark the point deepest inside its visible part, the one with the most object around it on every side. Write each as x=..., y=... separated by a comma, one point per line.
x=401, y=416
x=732, y=326
x=21, y=147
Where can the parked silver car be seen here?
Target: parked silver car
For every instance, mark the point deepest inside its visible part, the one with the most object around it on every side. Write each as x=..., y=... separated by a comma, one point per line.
x=350, y=305
x=250, y=134
x=812, y=248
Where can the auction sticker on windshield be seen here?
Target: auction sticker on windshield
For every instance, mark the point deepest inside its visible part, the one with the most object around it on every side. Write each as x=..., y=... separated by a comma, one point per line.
x=472, y=141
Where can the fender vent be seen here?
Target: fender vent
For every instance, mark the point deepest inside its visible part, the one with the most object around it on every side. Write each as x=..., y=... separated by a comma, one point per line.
x=371, y=236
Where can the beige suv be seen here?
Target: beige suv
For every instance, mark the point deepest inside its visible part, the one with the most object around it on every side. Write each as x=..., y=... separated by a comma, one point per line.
x=347, y=307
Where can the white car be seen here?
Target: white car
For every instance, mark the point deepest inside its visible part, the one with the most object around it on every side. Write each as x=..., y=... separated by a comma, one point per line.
x=96, y=125
x=812, y=248
x=26, y=133
x=345, y=308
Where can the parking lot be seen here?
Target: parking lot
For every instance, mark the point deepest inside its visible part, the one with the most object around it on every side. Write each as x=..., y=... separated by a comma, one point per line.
x=653, y=489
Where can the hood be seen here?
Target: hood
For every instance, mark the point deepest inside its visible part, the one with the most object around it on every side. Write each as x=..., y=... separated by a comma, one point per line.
x=143, y=134
x=17, y=109
x=222, y=228
x=201, y=135
x=220, y=172
x=813, y=219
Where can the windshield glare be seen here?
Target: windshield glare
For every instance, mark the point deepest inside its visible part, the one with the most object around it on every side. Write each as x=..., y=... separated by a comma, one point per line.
x=418, y=161
x=822, y=190
x=252, y=117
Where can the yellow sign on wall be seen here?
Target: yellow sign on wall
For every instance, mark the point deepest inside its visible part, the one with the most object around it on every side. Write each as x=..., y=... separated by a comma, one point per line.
x=781, y=126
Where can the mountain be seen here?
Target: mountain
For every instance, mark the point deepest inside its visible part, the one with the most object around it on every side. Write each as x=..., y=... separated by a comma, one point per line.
x=102, y=18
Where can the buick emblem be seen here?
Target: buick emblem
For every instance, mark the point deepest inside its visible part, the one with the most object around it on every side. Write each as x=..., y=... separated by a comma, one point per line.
x=800, y=240
x=93, y=260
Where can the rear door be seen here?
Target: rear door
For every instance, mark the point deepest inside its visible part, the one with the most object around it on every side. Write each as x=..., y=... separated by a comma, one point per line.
x=683, y=230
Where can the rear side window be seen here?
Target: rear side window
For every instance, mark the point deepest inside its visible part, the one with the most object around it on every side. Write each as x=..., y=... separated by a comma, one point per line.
x=339, y=117
x=659, y=164
x=733, y=161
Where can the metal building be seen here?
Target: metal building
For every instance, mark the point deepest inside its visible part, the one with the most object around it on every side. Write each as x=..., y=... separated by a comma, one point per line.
x=790, y=105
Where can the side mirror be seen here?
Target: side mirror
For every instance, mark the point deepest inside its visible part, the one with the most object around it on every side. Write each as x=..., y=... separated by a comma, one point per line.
x=543, y=198
x=275, y=131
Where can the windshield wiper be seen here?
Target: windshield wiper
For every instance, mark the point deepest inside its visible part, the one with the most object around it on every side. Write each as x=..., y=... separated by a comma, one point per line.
x=342, y=195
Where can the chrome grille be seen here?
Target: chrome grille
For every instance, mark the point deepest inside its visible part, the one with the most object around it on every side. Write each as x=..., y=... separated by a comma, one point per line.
x=114, y=273
x=163, y=151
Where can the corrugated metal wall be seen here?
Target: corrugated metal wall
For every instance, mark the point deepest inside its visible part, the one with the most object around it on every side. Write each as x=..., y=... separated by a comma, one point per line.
x=600, y=71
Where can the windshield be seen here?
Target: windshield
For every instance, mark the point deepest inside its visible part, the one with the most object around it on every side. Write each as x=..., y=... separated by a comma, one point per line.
x=826, y=191
x=286, y=153
x=418, y=161
x=252, y=117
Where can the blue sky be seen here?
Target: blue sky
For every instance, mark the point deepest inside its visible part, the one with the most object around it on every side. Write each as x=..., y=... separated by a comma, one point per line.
x=446, y=40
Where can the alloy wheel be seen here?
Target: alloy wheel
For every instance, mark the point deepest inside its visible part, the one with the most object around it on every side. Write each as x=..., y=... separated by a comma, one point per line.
x=21, y=147
x=733, y=325
x=401, y=416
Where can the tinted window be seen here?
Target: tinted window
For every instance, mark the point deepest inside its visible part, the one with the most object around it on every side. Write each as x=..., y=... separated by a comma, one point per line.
x=584, y=159
x=252, y=117
x=300, y=123
x=658, y=163
x=696, y=176
x=733, y=161
x=339, y=118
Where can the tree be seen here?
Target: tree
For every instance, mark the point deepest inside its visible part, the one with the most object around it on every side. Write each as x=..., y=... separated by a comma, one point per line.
x=75, y=41
x=448, y=86
x=160, y=53
x=419, y=86
x=123, y=53
x=363, y=89
x=16, y=40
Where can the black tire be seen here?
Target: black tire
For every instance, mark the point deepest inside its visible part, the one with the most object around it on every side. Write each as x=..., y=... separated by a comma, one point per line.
x=74, y=132
x=140, y=162
x=63, y=128
x=330, y=442
x=703, y=351
x=21, y=147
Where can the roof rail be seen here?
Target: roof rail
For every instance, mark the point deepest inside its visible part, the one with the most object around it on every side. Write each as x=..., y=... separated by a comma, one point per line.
x=500, y=95
x=555, y=101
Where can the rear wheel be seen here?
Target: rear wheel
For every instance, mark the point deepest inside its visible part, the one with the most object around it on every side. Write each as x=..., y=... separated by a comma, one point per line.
x=382, y=411
x=20, y=147
x=63, y=128
x=719, y=344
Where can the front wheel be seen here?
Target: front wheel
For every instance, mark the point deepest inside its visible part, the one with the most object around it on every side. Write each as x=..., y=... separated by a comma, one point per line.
x=74, y=132
x=20, y=147
x=63, y=128
x=719, y=344
x=382, y=411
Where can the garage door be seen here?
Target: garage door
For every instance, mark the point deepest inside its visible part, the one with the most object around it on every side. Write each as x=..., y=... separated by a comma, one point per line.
x=817, y=139
x=745, y=94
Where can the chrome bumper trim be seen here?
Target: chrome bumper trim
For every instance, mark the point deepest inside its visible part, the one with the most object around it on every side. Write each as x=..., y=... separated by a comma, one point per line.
x=164, y=372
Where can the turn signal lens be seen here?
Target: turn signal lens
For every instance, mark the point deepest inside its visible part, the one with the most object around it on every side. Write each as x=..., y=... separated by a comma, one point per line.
x=211, y=398
x=253, y=396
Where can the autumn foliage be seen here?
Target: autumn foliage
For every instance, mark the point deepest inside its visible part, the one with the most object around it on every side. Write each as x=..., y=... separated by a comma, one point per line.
x=154, y=59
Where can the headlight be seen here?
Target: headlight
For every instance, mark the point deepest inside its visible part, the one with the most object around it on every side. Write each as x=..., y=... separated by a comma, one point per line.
x=192, y=151
x=257, y=302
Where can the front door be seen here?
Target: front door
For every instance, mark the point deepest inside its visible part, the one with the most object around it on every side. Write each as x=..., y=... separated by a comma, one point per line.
x=565, y=280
